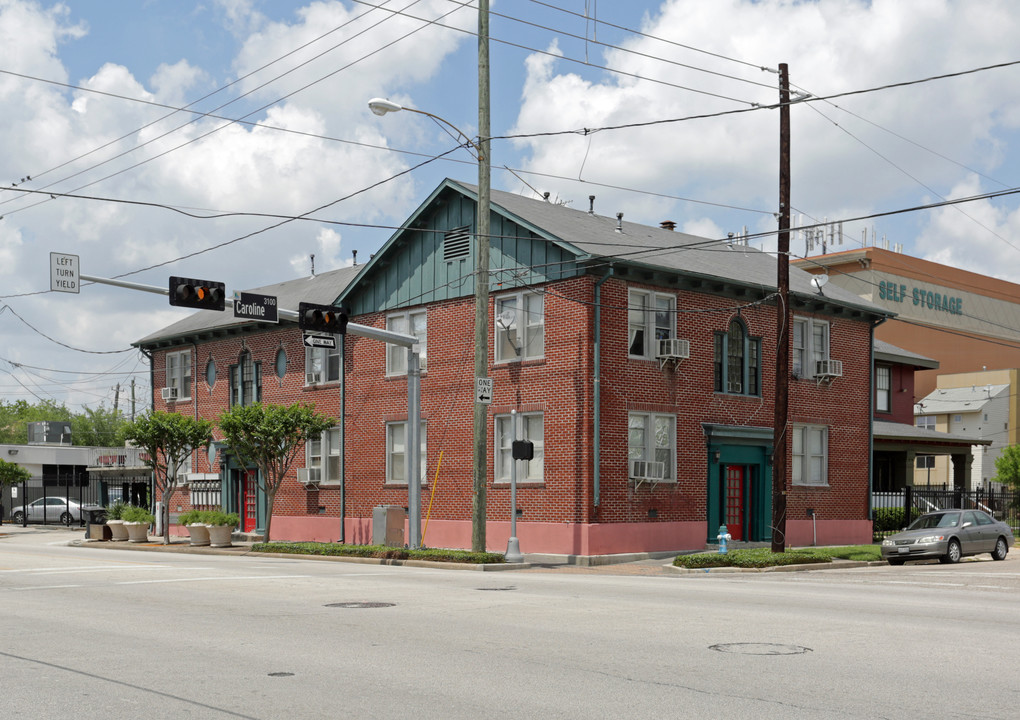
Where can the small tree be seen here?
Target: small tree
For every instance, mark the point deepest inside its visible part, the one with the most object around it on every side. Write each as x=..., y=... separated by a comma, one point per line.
x=269, y=438
x=11, y=474
x=168, y=439
x=1007, y=467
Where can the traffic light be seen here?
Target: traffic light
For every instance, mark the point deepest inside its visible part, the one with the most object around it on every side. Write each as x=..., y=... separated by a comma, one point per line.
x=322, y=318
x=199, y=294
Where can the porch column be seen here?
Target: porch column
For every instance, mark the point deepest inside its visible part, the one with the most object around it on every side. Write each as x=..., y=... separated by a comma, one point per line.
x=909, y=463
x=962, y=463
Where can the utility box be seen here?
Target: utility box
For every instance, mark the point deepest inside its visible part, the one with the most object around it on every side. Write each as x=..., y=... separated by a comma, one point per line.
x=388, y=525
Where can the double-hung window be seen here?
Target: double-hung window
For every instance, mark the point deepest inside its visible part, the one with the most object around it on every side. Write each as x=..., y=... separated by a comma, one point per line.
x=178, y=373
x=883, y=385
x=651, y=317
x=520, y=327
x=651, y=438
x=533, y=430
x=737, y=361
x=322, y=365
x=406, y=323
x=810, y=455
x=245, y=381
x=926, y=422
x=396, y=452
x=322, y=457
x=810, y=345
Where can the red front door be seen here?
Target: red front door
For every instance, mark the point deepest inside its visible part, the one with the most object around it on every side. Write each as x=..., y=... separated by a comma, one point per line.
x=735, y=501
x=249, y=497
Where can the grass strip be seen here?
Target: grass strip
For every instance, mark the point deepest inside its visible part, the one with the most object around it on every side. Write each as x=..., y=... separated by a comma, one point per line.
x=378, y=551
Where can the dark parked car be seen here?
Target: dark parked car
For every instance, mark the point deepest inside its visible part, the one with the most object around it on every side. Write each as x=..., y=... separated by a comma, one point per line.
x=55, y=509
x=949, y=535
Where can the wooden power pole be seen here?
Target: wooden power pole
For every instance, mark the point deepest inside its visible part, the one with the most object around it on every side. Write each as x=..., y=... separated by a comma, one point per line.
x=780, y=456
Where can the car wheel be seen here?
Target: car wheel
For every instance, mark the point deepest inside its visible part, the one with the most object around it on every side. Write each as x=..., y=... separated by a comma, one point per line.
x=896, y=561
x=999, y=553
x=66, y=518
x=953, y=553
x=18, y=518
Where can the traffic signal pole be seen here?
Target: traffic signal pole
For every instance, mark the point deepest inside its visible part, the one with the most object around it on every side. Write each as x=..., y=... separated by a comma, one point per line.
x=413, y=470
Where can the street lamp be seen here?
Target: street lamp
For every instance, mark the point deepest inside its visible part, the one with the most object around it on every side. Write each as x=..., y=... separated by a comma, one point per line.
x=382, y=106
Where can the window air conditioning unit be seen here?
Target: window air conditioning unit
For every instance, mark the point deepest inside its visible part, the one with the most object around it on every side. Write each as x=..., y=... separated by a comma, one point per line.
x=309, y=476
x=673, y=349
x=169, y=393
x=646, y=471
x=313, y=378
x=826, y=370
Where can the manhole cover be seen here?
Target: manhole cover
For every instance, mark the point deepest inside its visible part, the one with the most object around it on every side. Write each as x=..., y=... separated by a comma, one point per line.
x=760, y=649
x=281, y=674
x=361, y=604
x=497, y=589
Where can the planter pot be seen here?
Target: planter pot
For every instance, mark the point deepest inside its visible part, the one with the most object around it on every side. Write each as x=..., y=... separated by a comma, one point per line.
x=99, y=532
x=219, y=535
x=117, y=530
x=199, y=534
x=137, y=532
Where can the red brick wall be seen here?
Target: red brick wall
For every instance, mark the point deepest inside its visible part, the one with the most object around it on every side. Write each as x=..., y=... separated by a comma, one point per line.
x=561, y=386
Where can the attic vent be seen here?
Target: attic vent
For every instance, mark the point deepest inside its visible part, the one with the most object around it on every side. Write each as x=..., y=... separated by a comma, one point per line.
x=456, y=243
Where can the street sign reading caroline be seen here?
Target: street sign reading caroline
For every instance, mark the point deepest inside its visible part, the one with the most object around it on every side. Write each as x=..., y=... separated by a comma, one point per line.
x=253, y=306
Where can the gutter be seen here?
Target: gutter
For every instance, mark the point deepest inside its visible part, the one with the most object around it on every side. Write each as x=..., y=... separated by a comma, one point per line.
x=871, y=417
x=596, y=441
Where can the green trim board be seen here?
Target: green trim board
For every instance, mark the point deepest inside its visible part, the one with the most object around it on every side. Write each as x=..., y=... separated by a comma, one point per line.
x=750, y=448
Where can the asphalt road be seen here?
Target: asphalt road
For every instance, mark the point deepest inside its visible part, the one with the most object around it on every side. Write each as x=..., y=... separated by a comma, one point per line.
x=110, y=633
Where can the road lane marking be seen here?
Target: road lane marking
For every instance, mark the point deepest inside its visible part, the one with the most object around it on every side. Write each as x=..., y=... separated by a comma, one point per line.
x=206, y=579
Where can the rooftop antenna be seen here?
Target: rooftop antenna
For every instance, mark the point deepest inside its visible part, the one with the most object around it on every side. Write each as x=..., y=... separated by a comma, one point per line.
x=313, y=264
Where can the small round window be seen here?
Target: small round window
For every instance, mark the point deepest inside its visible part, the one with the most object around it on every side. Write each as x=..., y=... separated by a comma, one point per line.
x=210, y=373
x=281, y=363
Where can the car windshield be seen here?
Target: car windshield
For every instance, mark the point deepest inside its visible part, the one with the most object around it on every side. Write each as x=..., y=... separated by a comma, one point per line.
x=935, y=520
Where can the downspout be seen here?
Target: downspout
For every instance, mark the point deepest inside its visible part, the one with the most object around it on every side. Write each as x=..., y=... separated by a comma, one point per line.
x=343, y=436
x=871, y=421
x=596, y=441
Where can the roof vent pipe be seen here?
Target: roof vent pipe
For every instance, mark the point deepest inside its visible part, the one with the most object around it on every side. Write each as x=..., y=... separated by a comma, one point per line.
x=591, y=204
x=313, y=264
x=619, y=222
x=354, y=254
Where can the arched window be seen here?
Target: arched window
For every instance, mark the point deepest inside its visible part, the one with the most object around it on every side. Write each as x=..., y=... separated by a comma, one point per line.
x=737, y=360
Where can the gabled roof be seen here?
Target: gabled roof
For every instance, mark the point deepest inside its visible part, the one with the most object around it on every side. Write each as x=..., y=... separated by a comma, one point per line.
x=959, y=400
x=890, y=353
x=322, y=289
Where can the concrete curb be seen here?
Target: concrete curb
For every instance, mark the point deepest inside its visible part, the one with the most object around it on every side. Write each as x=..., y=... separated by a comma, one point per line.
x=242, y=549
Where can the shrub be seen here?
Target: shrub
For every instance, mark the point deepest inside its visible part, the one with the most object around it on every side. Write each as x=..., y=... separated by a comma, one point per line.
x=218, y=517
x=191, y=517
x=137, y=514
x=116, y=511
x=891, y=519
x=379, y=551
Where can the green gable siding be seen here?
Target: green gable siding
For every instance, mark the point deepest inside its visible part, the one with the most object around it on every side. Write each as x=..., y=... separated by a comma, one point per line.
x=411, y=269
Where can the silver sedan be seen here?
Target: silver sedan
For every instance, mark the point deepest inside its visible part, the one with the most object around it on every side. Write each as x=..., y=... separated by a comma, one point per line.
x=52, y=509
x=949, y=535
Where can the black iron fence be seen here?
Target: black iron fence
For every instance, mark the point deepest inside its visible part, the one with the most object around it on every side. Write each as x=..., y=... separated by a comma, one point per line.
x=893, y=511
x=67, y=501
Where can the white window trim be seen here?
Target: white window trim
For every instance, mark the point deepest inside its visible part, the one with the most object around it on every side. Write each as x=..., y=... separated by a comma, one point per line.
x=808, y=353
x=883, y=392
x=530, y=321
x=396, y=355
x=175, y=375
x=649, y=419
x=327, y=449
x=802, y=477
x=648, y=325
x=311, y=353
x=926, y=422
x=423, y=444
x=528, y=471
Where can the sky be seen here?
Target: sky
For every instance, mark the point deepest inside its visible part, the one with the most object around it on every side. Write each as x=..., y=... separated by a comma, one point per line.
x=231, y=140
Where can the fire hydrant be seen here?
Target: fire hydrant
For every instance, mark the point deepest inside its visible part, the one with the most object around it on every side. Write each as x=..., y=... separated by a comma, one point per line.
x=723, y=536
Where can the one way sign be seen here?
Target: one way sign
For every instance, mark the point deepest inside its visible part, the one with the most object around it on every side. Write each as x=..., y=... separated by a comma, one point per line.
x=324, y=341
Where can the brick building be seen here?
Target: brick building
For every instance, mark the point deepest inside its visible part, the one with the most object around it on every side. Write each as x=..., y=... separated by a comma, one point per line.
x=637, y=359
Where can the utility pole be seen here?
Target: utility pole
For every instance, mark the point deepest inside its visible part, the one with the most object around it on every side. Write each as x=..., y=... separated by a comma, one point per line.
x=782, y=400
x=116, y=400
x=132, y=399
x=480, y=455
